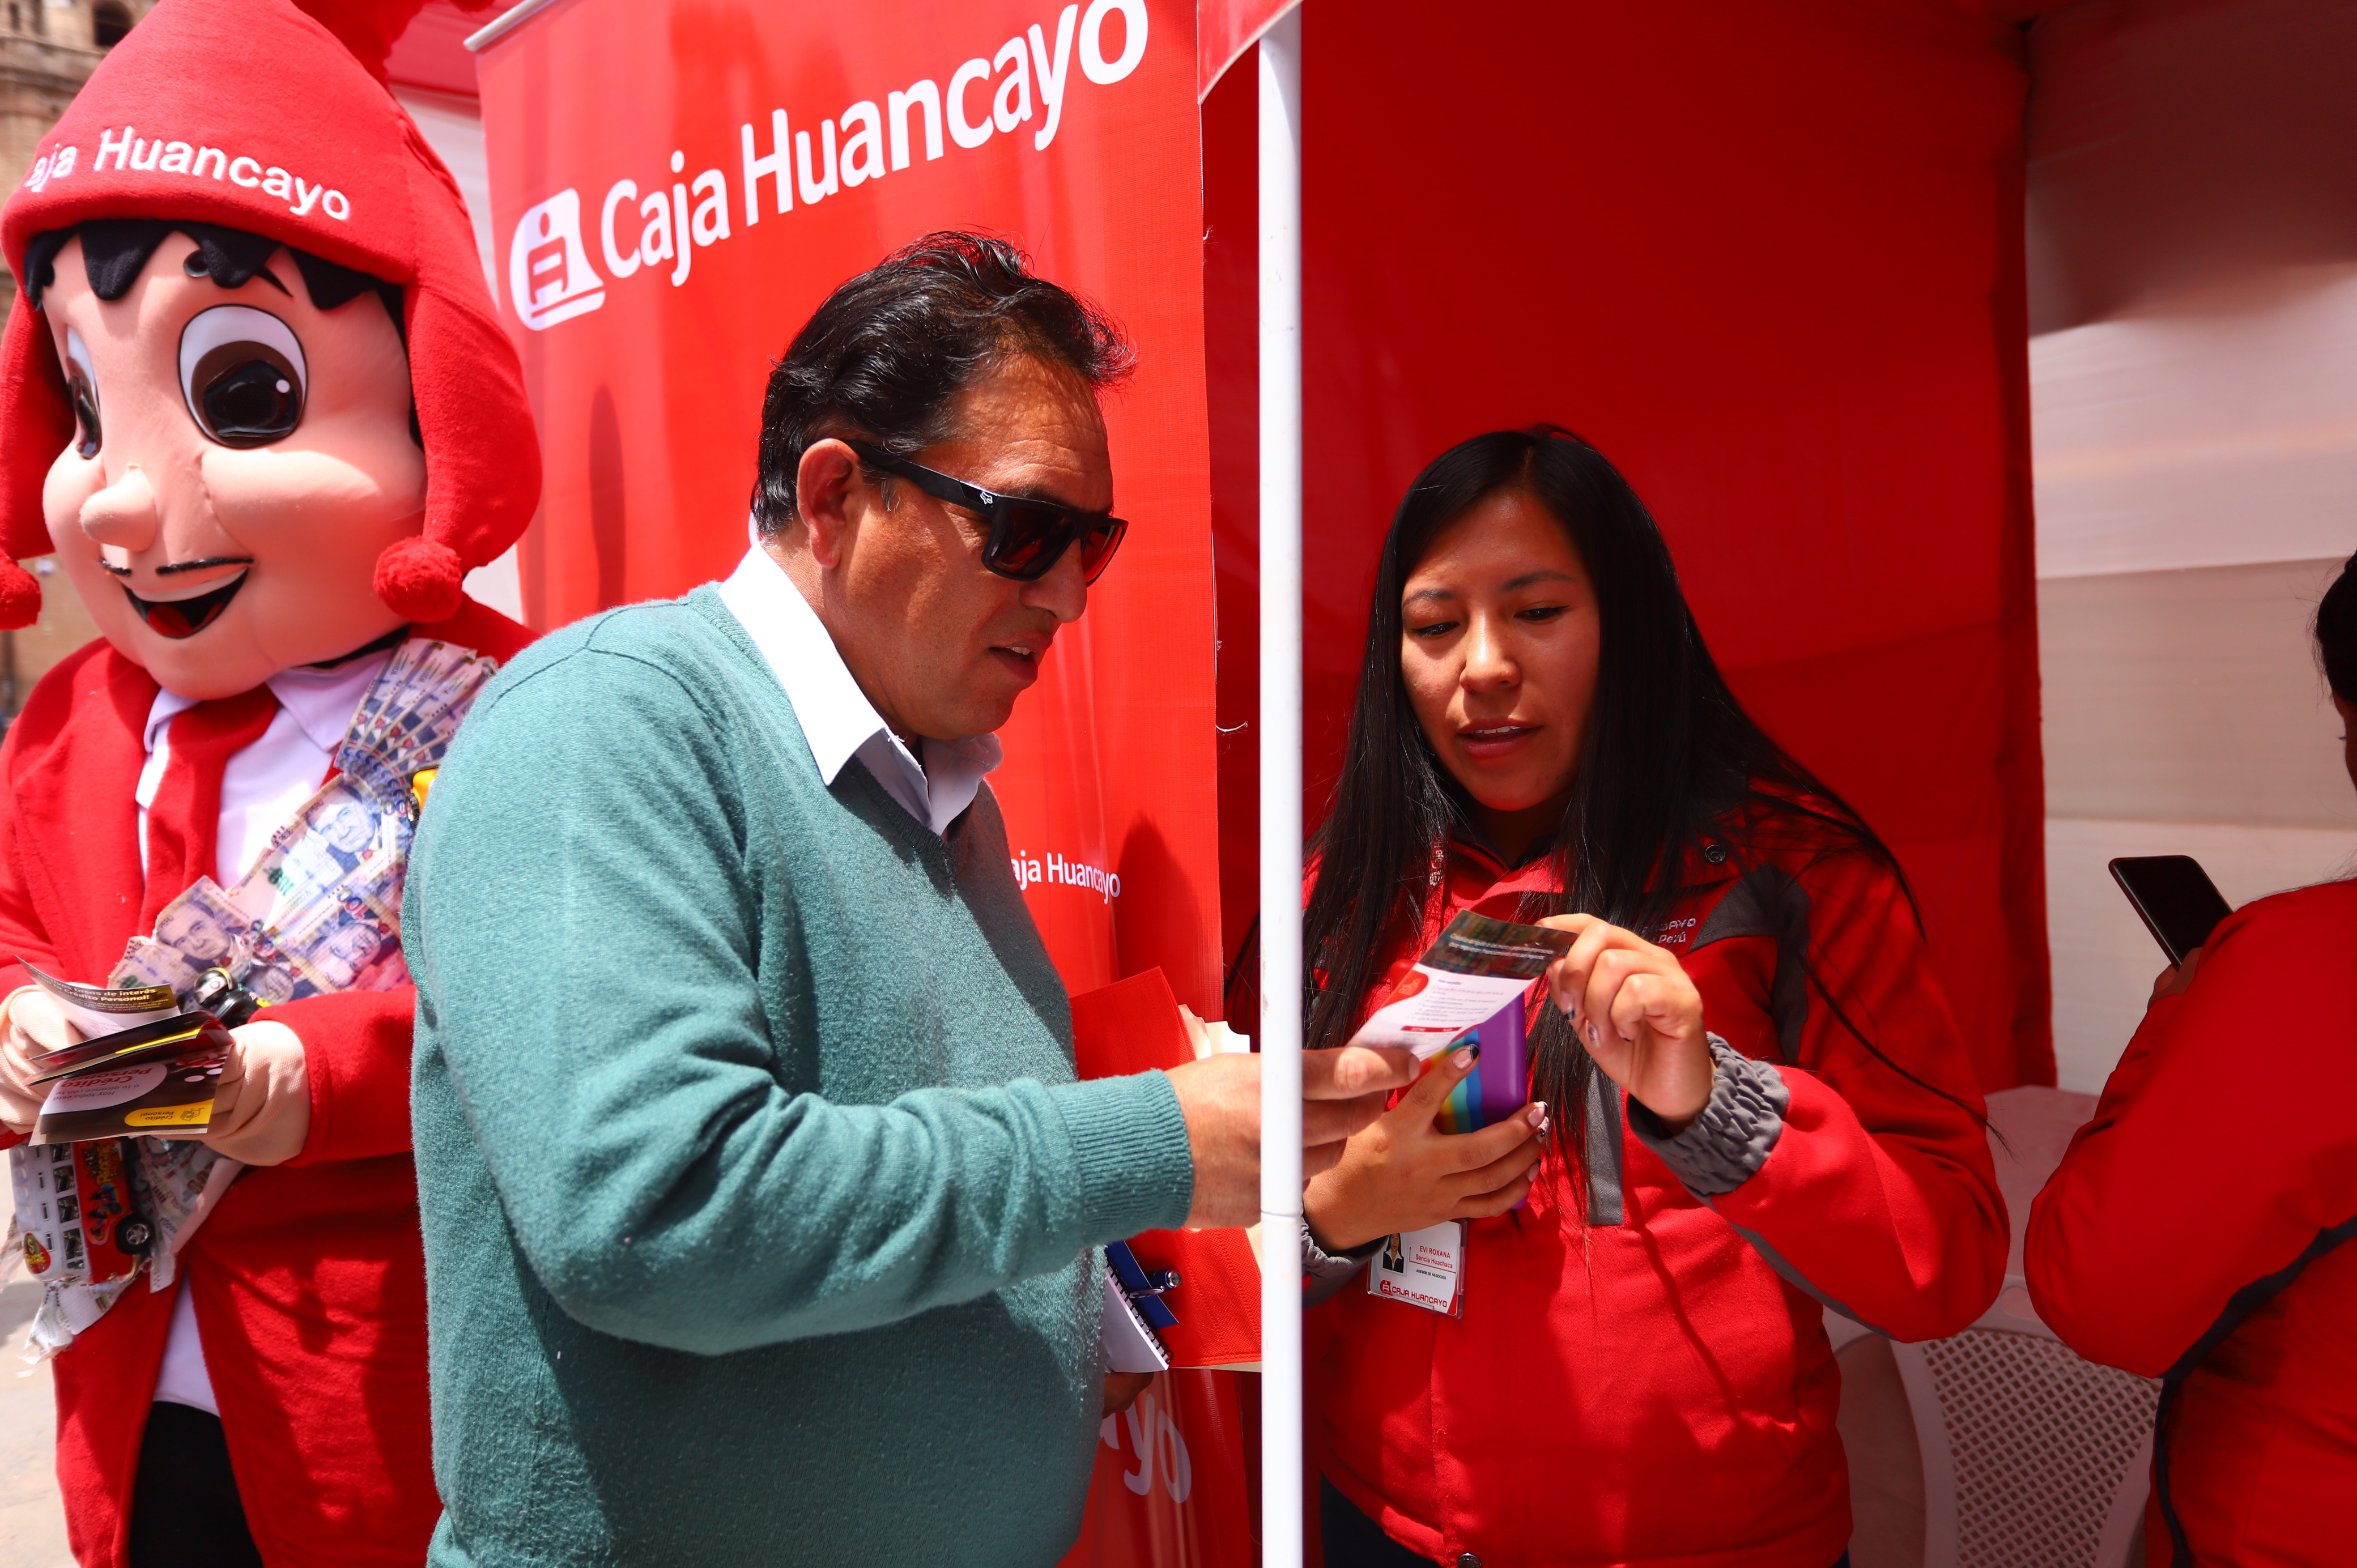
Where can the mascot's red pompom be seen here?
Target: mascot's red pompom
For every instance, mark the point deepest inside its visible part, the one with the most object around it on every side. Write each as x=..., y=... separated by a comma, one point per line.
x=256, y=400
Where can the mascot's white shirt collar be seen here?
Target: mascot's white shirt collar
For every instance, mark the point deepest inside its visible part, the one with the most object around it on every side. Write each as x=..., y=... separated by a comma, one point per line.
x=322, y=701
x=838, y=721
x=264, y=784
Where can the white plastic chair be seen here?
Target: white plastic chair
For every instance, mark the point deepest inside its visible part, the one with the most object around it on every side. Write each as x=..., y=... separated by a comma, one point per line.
x=2032, y=1457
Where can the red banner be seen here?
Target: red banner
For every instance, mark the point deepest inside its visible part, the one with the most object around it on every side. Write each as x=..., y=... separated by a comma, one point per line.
x=675, y=188
x=1169, y=1484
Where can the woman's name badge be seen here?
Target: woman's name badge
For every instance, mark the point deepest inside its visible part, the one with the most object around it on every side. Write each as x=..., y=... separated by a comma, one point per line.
x=1423, y=1268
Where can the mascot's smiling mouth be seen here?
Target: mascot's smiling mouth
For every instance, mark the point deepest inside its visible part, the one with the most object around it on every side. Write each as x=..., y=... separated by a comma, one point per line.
x=176, y=618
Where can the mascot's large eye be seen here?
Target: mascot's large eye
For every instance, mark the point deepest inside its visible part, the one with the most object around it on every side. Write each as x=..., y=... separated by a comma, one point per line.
x=241, y=370
x=81, y=385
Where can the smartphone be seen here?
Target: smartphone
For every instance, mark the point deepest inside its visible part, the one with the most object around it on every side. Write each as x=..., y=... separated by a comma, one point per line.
x=2179, y=904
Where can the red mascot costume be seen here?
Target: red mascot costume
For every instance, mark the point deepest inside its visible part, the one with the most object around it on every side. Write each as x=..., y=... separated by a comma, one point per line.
x=256, y=400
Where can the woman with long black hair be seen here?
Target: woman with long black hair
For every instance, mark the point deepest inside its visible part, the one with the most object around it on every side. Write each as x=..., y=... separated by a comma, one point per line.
x=1749, y=1101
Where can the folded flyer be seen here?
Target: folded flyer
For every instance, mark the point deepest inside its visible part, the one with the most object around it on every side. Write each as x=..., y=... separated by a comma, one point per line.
x=157, y=1077
x=1473, y=970
x=164, y=1038
x=1470, y=988
x=102, y=1009
x=165, y=1089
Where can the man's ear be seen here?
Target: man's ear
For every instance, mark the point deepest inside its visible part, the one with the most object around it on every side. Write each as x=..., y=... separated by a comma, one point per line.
x=824, y=482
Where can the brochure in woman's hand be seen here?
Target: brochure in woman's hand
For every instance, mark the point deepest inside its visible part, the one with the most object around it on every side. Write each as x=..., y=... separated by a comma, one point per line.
x=1473, y=968
x=1467, y=990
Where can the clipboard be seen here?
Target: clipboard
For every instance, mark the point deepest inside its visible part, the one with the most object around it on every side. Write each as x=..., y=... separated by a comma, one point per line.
x=1134, y=1026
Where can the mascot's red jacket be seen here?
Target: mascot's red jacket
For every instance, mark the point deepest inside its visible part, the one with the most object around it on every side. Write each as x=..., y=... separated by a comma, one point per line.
x=216, y=116
x=2198, y=1233
x=1661, y=1390
x=308, y=1277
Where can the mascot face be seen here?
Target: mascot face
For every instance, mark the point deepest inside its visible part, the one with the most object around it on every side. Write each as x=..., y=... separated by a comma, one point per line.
x=242, y=458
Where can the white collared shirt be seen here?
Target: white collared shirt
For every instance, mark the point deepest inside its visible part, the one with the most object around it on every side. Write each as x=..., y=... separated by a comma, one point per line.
x=838, y=721
x=262, y=785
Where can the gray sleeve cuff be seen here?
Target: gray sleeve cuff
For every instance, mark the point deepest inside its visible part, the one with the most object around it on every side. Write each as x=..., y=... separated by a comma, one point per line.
x=1323, y=1273
x=1723, y=1147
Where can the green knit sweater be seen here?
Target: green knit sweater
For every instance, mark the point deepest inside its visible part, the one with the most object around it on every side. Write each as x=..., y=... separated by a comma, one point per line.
x=760, y=1201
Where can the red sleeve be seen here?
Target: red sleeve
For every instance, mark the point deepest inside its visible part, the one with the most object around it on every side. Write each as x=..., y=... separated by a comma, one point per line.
x=356, y=1051
x=1879, y=1197
x=2223, y=1147
x=12, y=975
x=21, y=933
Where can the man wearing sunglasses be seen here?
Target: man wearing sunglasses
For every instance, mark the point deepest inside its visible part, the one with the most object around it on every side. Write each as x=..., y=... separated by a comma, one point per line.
x=762, y=1208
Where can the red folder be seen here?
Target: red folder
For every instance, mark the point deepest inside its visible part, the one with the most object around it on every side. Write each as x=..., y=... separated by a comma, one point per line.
x=1133, y=1025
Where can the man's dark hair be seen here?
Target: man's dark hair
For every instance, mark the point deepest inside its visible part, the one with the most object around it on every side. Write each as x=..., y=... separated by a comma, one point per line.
x=2336, y=633
x=116, y=251
x=885, y=357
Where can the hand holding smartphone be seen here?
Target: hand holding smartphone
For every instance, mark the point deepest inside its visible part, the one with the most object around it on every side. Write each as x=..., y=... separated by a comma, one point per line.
x=2179, y=903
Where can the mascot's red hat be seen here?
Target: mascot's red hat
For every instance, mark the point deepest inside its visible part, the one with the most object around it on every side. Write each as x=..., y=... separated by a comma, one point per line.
x=254, y=115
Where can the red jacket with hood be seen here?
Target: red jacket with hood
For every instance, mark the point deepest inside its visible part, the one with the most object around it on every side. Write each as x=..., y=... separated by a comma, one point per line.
x=1649, y=1383
x=308, y=1278
x=2194, y=1234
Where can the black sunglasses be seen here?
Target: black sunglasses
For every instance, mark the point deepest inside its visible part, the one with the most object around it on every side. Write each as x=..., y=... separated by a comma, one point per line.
x=1027, y=537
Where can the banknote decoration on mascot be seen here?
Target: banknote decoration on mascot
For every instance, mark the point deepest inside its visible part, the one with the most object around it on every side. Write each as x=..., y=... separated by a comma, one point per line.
x=256, y=401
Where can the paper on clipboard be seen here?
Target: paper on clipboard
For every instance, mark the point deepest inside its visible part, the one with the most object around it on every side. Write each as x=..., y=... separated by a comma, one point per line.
x=1135, y=1315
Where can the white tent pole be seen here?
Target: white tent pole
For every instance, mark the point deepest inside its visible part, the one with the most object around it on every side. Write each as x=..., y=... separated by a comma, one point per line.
x=1280, y=792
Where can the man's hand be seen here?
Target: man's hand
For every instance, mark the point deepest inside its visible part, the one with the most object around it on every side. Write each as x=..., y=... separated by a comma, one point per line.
x=1404, y=1173
x=1633, y=1007
x=31, y=1025
x=1341, y=1091
x=262, y=1110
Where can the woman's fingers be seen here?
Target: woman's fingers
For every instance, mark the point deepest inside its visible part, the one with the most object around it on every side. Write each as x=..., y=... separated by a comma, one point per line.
x=1422, y=1103
x=1665, y=1009
x=1503, y=1171
x=1636, y=1011
x=1476, y=1150
x=1571, y=979
x=1581, y=964
x=1601, y=1005
x=1483, y=1206
x=1666, y=1058
x=1563, y=983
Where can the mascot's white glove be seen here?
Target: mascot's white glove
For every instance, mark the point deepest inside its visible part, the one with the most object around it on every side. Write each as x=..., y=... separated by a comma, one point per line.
x=31, y=1023
x=262, y=1110
x=262, y=1107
